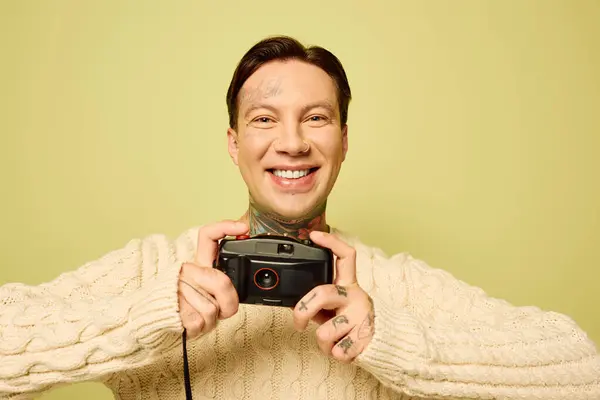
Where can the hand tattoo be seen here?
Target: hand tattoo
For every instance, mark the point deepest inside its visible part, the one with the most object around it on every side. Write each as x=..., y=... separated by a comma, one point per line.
x=341, y=290
x=340, y=319
x=304, y=303
x=345, y=344
x=367, y=327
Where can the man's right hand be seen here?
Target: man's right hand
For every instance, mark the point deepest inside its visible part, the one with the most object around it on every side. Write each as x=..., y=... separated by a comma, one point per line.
x=205, y=293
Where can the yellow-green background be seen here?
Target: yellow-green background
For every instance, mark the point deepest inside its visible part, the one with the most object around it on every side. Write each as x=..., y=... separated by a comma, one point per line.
x=474, y=133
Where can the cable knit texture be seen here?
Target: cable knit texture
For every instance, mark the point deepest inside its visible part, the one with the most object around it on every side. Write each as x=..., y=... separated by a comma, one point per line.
x=116, y=321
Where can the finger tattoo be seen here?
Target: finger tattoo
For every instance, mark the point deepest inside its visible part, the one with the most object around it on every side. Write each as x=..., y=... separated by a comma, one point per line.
x=346, y=344
x=340, y=319
x=304, y=303
x=341, y=290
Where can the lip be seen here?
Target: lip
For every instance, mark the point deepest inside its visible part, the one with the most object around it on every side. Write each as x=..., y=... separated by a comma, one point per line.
x=300, y=167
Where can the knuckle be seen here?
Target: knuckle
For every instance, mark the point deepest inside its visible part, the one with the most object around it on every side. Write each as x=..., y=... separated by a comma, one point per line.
x=222, y=281
x=300, y=320
x=322, y=334
x=341, y=356
x=194, y=325
x=230, y=308
x=199, y=325
x=211, y=311
x=186, y=267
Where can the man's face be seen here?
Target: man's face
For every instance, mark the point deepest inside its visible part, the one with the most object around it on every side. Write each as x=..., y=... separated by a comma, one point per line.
x=282, y=107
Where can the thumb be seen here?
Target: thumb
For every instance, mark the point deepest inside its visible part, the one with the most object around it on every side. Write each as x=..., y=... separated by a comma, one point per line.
x=345, y=266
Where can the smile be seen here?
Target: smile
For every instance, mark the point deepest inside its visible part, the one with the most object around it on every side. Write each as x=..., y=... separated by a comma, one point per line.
x=300, y=179
x=292, y=174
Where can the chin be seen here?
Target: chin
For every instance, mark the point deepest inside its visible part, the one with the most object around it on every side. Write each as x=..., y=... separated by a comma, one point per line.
x=293, y=210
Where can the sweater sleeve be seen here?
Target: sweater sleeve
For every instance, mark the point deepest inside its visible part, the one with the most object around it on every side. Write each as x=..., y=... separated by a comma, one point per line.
x=437, y=337
x=115, y=313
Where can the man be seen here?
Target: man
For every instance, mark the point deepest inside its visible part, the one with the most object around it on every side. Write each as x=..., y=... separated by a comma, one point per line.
x=388, y=328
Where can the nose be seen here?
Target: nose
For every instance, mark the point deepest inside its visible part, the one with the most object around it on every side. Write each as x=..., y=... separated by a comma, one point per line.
x=291, y=141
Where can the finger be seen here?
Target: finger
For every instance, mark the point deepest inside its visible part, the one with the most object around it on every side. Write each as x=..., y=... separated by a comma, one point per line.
x=323, y=297
x=348, y=347
x=206, y=308
x=209, y=235
x=332, y=331
x=323, y=316
x=216, y=284
x=346, y=256
x=190, y=318
x=201, y=292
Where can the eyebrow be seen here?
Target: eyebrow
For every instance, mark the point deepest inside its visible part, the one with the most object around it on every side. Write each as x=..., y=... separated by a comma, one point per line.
x=256, y=106
x=319, y=104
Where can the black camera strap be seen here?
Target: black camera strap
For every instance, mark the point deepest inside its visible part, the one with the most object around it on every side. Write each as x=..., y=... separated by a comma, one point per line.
x=186, y=368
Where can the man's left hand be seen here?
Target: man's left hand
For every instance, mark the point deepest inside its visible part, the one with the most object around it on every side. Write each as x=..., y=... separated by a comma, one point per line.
x=343, y=309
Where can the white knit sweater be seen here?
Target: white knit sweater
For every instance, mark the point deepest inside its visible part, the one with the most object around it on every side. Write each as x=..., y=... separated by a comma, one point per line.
x=116, y=321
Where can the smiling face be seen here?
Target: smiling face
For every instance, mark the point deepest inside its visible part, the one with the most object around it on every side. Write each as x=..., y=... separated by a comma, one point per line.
x=289, y=144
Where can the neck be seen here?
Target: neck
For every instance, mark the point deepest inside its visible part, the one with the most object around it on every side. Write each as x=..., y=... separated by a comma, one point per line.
x=263, y=222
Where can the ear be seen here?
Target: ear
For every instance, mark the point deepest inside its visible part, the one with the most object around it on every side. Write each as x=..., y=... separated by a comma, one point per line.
x=344, y=142
x=232, y=145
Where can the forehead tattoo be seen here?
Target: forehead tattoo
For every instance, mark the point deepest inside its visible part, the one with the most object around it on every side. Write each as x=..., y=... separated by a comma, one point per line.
x=265, y=90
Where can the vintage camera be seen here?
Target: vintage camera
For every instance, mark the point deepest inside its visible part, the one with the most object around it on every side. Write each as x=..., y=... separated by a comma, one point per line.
x=274, y=270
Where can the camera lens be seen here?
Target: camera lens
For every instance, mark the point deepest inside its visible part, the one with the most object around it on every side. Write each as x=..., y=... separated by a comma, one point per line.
x=266, y=278
x=285, y=248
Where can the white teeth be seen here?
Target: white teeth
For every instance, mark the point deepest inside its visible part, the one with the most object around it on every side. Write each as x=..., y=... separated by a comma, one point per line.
x=290, y=174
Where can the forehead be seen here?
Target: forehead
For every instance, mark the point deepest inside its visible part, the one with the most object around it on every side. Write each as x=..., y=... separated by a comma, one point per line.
x=287, y=84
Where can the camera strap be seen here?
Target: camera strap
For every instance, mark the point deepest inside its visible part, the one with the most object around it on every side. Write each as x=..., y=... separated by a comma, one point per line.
x=186, y=368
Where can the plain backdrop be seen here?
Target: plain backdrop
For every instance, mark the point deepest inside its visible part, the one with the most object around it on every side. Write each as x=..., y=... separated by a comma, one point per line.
x=474, y=134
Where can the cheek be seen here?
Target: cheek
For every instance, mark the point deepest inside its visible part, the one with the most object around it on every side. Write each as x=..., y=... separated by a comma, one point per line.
x=253, y=149
x=331, y=146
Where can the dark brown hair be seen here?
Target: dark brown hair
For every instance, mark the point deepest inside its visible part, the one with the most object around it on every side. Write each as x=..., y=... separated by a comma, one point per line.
x=282, y=48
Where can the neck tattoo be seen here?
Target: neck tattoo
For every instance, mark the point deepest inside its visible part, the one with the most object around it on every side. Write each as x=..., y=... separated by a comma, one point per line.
x=262, y=222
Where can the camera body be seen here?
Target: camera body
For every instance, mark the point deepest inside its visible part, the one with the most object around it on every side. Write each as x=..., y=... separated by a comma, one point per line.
x=274, y=270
